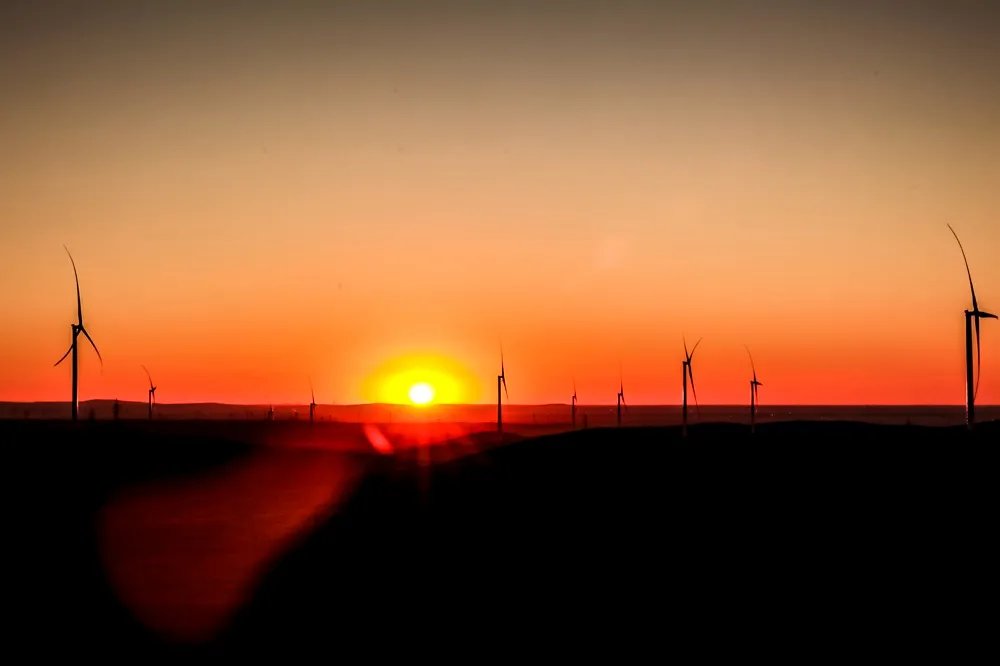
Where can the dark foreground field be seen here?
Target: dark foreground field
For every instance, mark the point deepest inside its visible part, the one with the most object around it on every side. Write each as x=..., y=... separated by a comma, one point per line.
x=205, y=540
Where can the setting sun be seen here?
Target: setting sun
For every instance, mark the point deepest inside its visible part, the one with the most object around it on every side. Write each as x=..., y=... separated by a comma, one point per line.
x=421, y=378
x=421, y=393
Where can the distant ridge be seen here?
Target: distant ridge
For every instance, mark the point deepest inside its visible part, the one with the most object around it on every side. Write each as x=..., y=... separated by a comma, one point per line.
x=547, y=414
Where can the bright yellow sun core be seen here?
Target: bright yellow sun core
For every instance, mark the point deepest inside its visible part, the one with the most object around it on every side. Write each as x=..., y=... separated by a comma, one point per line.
x=421, y=393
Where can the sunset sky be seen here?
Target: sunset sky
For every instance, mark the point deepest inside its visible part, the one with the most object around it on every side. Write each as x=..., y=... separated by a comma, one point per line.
x=259, y=193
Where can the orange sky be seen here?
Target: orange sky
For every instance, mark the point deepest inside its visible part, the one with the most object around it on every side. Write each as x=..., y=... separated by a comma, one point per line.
x=259, y=196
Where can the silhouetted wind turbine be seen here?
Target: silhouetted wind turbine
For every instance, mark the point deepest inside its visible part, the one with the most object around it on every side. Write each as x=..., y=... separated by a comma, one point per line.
x=501, y=379
x=152, y=393
x=572, y=409
x=312, y=404
x=77, y=330
x=621, y=400
x=687, y=373
x=753, y=394
x=971, y=387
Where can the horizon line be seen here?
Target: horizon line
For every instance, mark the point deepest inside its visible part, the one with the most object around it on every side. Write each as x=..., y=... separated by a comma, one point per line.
x=482, y=404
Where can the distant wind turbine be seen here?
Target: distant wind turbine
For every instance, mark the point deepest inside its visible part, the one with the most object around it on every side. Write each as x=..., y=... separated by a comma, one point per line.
x=971, y=387
x=152, y=393
x=686, y=374
x=572, y=409
x=753, y=393
x=621, y=400
x=73, y=347
x=501, y=379
x=312, y=403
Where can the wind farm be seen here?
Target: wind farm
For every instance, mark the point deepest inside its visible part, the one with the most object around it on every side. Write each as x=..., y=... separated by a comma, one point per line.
x=448, y=444
x=422, y=393
x=382, y=202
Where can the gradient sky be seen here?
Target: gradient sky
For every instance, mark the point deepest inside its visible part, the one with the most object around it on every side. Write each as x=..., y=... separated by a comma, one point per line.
x=257, y=193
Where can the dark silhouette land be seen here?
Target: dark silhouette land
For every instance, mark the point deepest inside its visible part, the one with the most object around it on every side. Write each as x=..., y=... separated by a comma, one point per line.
x=628, y=539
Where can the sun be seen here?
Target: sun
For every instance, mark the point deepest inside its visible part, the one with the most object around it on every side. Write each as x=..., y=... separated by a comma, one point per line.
x=421, y=393
x=421, y=379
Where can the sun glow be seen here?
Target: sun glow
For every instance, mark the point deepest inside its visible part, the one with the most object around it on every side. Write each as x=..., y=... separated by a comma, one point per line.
x=421, y=379
x=421, y=393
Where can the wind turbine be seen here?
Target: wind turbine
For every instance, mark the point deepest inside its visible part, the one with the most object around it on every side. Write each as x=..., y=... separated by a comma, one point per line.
x=572, y=409
x=501, y=379
x=152, y=393
x=687, y=373
x=753, y=394
x=312, y=404
x=621, y=400
x=73, y=347
x=971, y=388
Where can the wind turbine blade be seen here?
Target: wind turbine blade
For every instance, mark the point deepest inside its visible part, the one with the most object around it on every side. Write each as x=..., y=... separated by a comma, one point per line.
x=686, y=354
x=63, y=357
x=503, y=380
x=76, y=278
x=693, y=391
x=694, y=348
x=968, y=271
x=92, y=344
x=751, y=363
x=151, y=387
